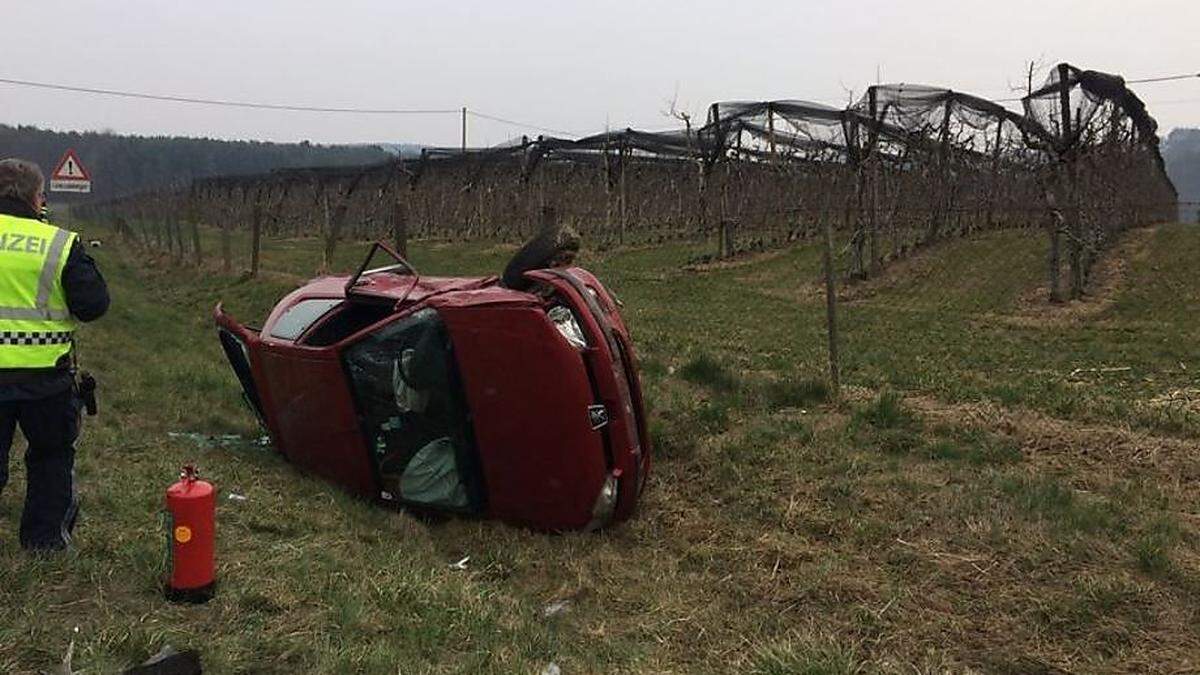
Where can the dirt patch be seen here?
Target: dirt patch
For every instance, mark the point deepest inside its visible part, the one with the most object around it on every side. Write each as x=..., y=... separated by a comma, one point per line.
x=739, y=260
x=502, y=247
x=908, y=269
x=284, y=277
x=1055, y=443
x=1107, y=280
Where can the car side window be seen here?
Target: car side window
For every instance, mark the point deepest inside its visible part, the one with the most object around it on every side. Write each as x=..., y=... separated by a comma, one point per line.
x=300, y=316
x=414, y=413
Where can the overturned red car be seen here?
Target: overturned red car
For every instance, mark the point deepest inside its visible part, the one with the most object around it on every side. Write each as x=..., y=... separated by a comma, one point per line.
x=511, y=400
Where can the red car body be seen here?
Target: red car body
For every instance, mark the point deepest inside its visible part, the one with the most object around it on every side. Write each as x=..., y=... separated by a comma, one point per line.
x=514, y=409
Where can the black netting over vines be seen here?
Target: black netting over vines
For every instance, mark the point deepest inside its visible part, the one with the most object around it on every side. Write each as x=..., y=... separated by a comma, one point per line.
x=905, y=166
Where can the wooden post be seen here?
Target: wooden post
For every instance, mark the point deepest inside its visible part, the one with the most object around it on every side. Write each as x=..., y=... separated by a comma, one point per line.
x=1064, y=99
x=624, y=196
x=1054, y=229
x=337, y=219
x=831, y=311
x=226, y=246
x=771, y=127
x=725, y=234
x=400, y=228
x=942, y=200
x=1075, y=227
x=1054, y=259
x=993, y=197
x=150, y=220
x=255, y=237
x=549, y=218
x=194, y=219
x=464, y=130
x=177, y=236
x=854, y=223
x=327, y=231
x=1074, y=223
x=873, y=177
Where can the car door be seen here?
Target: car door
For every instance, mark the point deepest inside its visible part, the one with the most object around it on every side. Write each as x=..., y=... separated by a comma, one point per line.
x=314, y=412
x=240, y=345
x=301, y=395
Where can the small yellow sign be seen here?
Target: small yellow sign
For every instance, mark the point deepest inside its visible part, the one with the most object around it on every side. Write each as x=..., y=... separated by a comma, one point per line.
x=183, y=534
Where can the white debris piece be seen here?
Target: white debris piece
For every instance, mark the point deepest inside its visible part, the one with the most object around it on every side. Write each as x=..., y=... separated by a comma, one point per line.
x=555, y=608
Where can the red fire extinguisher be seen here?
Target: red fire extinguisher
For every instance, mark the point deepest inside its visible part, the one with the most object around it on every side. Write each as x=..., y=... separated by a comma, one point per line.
x=191, y=509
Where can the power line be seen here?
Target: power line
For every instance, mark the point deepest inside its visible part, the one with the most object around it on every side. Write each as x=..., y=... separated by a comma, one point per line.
x=1145, y=80
x=1167, y=78
x=1176, y=101
x=227, y=103
x=475, y=113
x=275, y=106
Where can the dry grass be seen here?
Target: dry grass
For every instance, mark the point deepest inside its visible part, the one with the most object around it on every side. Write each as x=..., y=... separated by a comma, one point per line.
x=904, y=528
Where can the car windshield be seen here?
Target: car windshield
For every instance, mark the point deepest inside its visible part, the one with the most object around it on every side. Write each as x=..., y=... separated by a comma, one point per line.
x=300, y=316
x=414, y=413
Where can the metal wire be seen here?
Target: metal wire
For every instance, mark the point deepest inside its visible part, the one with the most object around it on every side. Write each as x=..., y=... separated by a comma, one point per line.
x=231, y=104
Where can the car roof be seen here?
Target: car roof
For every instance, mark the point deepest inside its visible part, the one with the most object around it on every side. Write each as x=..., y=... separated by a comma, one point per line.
x=386, y=287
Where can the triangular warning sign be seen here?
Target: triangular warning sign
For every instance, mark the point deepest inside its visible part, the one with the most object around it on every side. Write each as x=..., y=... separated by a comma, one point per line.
x=69, y=168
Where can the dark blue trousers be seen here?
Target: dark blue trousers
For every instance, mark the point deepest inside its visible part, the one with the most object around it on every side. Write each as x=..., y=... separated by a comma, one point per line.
x=50, y=425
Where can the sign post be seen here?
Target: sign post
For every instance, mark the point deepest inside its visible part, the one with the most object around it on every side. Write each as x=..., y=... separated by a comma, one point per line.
x=70, y=175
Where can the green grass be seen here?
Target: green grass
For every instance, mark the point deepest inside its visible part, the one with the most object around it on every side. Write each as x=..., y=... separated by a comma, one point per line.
x=888, y=412
x=968, y=504
x=796, y=393
x=805, y=659
x=1047, y=499
x=707, y=371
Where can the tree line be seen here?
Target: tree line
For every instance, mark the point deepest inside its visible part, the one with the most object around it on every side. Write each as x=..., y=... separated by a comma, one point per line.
x=1181, y=152
x=122, y=165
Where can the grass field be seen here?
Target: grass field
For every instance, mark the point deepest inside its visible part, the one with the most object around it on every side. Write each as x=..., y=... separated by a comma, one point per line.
x=1004, y=486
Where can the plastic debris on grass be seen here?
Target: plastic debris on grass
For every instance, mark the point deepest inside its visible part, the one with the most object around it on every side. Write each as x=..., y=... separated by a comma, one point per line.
x=556, y=608
x=169, y=661
x=65, y=667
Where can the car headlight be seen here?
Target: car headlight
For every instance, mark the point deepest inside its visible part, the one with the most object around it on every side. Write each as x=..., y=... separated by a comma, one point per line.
x=606, y=503
x=564, y=320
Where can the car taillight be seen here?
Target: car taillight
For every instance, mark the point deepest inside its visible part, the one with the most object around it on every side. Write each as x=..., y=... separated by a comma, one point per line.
x=606, y=502
x=568, y=326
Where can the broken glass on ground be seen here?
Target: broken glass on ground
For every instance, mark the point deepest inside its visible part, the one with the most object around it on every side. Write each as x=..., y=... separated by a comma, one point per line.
x=209, y=441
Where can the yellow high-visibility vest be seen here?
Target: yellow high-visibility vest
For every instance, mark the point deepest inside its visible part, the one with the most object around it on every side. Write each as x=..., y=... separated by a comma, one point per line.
x=35, y=326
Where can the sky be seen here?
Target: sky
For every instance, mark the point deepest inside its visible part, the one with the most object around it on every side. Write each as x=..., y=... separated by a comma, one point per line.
x=577, y=67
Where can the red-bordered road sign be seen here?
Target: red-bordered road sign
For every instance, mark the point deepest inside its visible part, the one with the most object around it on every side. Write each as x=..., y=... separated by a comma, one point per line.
x=70, y=175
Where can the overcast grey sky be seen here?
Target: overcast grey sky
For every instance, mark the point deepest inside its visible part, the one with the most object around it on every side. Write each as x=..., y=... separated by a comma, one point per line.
x=574, y=66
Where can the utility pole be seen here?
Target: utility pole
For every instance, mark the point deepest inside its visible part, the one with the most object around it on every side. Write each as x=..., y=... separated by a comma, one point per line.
x=464, y=130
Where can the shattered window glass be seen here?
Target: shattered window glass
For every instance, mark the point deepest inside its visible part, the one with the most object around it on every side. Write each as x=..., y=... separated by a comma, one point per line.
x=414, y=413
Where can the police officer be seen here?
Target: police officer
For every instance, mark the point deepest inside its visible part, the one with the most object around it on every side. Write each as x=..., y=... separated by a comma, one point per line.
x=48, y=283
